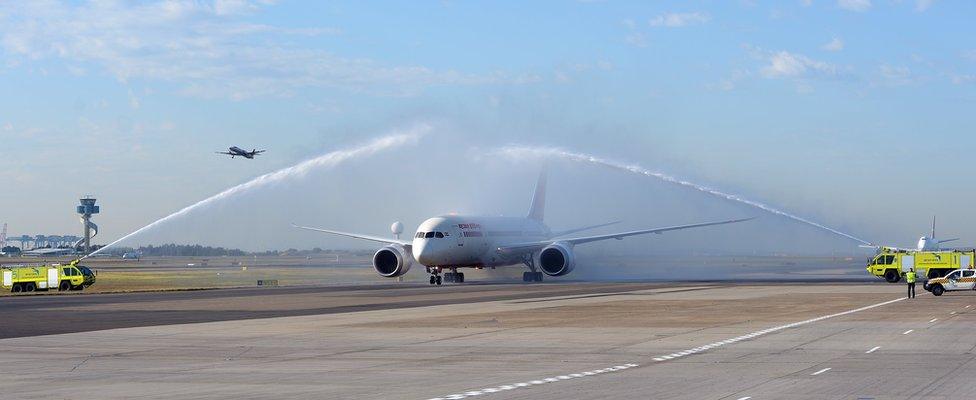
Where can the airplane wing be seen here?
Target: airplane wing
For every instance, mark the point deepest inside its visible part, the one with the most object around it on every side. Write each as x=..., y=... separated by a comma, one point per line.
x=225, y=152
x=888, y=248
x=358, y=236
x=585, y=228
x=948, y=240
x=533, y=246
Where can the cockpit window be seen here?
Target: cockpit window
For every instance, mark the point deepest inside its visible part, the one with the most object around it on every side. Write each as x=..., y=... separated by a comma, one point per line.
x=419, y=235
x=429, y=235
x=439, y=235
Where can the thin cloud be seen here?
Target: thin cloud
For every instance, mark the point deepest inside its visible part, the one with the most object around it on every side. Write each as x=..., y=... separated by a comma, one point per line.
x=677, y=20
x=896, y=75
x=784, y=64
x=203, y=48
x=961, y=79
x=854, y=5
x=835, y=44
x=634, y=36
x=923, y=5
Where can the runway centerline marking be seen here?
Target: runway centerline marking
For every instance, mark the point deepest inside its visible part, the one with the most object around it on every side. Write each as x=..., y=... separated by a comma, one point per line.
x=558, y=378
x=933, y=320
x=908, y=331
x=662, y=358
x=766, y=331
x=745, y=398
x=873, y=349
x=820, y=372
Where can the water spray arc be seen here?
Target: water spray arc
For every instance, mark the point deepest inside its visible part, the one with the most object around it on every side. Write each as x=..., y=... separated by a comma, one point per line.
x=331, y=159
x=522, y=152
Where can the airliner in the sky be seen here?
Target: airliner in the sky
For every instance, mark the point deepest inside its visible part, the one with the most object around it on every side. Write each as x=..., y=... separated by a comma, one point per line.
x=235, y=151
x=450, y=242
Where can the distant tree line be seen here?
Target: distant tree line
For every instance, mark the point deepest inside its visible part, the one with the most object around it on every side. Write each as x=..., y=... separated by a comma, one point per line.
x=190, y=250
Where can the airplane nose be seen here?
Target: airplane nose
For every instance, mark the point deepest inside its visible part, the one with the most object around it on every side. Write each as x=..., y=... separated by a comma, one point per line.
x=429, y=253
x=422, y=252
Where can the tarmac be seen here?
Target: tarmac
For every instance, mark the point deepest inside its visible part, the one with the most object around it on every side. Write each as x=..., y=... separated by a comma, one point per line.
x=494, y=341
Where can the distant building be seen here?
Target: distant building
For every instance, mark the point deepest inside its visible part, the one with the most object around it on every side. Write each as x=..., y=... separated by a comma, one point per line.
x=46, y=252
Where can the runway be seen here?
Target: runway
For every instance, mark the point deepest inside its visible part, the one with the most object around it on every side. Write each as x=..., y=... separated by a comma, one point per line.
x=511, y=341
x=67, y=313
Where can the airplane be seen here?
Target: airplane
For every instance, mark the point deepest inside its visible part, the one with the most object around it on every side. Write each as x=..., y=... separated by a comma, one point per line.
x=925, y=243
x=237, y=151
x=451, y=242
x=930, y=243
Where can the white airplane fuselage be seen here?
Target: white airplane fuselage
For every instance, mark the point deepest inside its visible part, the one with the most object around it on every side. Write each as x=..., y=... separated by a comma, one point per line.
x=468, y=241
x=928, y=244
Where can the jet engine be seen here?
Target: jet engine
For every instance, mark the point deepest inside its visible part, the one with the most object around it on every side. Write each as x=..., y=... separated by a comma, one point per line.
x=392, y=261
x=557, y=259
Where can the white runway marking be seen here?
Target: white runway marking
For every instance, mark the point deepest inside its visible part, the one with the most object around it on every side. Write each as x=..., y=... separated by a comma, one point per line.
x=745, y=398
x=952, y=313
x=873, y=349
x=519, y=385
x=820, y=372
x=908, y=331
x=767, y=331
x=662, y=358
x=933, y=320
x=969, y=306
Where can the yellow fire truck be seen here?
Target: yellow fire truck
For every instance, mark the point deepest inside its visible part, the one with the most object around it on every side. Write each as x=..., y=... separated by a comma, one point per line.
x=47, y=277
x=891, y=264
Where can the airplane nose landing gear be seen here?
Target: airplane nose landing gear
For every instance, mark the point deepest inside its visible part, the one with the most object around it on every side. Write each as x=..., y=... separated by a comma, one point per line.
x=435, y=279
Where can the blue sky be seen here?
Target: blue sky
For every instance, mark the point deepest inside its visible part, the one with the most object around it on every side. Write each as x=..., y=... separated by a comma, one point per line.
x=809, y=105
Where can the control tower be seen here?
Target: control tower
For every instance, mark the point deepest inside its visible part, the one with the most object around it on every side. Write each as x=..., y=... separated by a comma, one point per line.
x=86, y=210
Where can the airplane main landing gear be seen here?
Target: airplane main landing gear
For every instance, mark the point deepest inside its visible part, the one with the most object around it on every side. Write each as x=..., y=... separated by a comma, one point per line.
x=532, y=277
x=455, y=277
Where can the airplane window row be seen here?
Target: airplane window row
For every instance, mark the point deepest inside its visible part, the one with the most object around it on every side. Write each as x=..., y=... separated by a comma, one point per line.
x=428, y=235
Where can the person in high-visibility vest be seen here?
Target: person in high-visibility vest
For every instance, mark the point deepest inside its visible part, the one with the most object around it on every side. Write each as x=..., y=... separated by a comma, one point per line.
x=910, y=278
